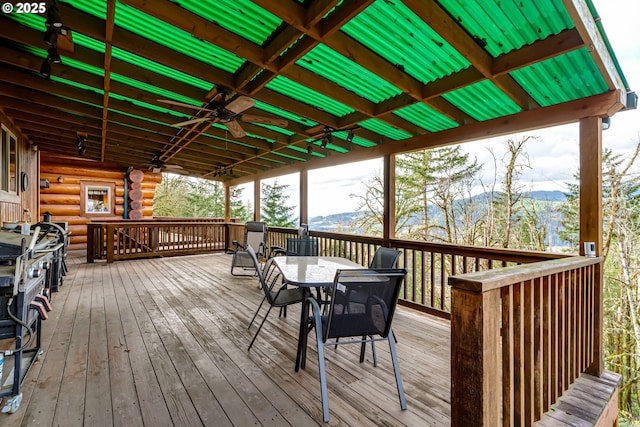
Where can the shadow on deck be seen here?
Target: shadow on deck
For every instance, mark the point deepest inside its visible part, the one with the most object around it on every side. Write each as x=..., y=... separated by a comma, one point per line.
x=164, y=342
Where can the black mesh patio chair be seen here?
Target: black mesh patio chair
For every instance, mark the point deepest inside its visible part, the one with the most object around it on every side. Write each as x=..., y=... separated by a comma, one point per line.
x=255, y=235
x=382, y=258
x=299, y=246
x=275, y=292
x=361, y=323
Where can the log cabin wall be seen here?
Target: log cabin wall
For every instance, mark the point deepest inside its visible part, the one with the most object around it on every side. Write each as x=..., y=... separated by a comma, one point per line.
x=14, y=203
x=69, y=178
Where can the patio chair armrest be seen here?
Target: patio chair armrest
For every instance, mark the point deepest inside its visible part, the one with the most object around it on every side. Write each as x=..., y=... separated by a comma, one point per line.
x=277, y=251
x=236, y=245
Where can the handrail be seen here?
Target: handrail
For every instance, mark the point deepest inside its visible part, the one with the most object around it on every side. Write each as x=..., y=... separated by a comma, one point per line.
x=532, y=328
x=429, y=264
x=117, y=240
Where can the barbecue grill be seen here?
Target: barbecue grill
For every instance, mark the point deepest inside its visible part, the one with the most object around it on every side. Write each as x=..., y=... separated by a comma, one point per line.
x=26, y=277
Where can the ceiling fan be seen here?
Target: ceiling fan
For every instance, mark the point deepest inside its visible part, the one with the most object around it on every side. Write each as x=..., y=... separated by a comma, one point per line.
x=227, y=111
x=156, y=165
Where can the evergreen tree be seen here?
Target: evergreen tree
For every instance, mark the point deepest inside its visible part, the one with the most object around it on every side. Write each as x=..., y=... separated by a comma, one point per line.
x=275, y=208
x=171, y=196
x=437, y=178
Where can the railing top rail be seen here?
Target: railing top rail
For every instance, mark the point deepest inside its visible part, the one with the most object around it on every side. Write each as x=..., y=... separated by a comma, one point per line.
x=484, y=281
x=147, y=223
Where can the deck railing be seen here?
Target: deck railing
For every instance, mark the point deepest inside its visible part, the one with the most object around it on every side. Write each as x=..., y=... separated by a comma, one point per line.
x=429, y=264
x=113, y=241
x=533, y=329
x=520, y=335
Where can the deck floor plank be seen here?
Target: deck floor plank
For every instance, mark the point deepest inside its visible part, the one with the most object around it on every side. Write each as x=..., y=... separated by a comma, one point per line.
x=164, y=342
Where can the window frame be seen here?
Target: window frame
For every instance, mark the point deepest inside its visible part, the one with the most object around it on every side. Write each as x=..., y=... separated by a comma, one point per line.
x=85, y=186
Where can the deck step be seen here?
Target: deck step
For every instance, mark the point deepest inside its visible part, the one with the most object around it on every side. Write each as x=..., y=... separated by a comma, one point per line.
x=590, y=401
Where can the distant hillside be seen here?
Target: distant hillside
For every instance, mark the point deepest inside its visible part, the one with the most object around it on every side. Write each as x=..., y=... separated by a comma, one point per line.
x=334, y=222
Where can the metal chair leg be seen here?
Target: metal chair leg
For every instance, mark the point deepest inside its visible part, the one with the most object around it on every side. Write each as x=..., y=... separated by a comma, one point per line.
x=257, y=311
x=396, y=370
x=260, y=327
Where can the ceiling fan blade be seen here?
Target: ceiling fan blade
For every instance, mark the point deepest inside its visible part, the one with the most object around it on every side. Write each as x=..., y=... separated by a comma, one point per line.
x=173, y=167
x=239, y=104
x=182, y=104
x=188, y=122
x=282, y=123
x=235, y=129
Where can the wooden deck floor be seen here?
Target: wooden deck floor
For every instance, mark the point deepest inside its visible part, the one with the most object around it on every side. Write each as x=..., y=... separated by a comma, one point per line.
x=164, y=342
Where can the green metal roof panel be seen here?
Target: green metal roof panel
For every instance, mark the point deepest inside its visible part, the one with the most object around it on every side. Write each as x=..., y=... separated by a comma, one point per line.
x=482, y=101
x=394, y=32
x=284, y=114
x=167, y=35
x=385, y=129
x=92, y=7
x=506, y=25
x=333, y=66
x=561, y=79
x=308, y=96
x=242, y=17
x=426, y=117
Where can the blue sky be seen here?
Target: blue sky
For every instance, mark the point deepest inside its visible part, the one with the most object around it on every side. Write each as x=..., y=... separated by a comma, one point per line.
x=554, y=159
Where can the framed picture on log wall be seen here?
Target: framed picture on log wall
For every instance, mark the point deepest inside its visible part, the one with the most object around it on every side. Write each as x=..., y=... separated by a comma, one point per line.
x=97, y=198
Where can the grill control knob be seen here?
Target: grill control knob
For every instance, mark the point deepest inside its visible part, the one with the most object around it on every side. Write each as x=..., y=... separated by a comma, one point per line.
x=34, y=272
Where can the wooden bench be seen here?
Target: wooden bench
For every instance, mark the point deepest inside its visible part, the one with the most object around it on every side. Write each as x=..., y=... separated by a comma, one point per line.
x=590, y=401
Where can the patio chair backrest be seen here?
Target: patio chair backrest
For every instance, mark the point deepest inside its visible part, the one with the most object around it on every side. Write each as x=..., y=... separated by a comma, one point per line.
x=302, y=247
x=385, y=258
x=256, y=236
x=256, y=264
x=303, y=230
x=381, y=287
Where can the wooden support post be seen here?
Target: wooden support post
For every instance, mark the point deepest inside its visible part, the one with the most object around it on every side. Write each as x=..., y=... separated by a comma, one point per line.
x=591, y=220
x=256, y=200
x=304, y=199
x=389, y=203
x=227, y=202
x=476, y=394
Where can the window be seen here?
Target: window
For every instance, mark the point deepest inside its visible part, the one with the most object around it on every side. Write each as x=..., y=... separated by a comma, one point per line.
x=9, y=160
x=97, y=198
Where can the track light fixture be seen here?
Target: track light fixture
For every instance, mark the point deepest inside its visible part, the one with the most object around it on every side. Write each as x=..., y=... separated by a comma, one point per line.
x=309, y=148
x=51, y=36
x=350, y=136
x=45, y=69
x=81, y=138
x=53, y=16
x=327, y=137
x=53, y=56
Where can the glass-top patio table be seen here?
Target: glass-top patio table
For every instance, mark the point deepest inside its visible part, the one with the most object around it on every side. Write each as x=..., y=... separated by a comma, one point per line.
x=309, y=272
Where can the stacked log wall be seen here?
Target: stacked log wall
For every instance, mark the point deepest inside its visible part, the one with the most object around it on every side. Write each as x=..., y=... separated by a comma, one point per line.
x=63, y=197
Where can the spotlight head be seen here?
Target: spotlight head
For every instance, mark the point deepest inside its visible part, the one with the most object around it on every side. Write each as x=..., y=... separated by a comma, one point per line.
x=53, y=16
x=309, y=148
x=350, y=136
x=52, y=56
x=82, y=150
x=45, y=69
x=324, y=142
x=51, y=36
